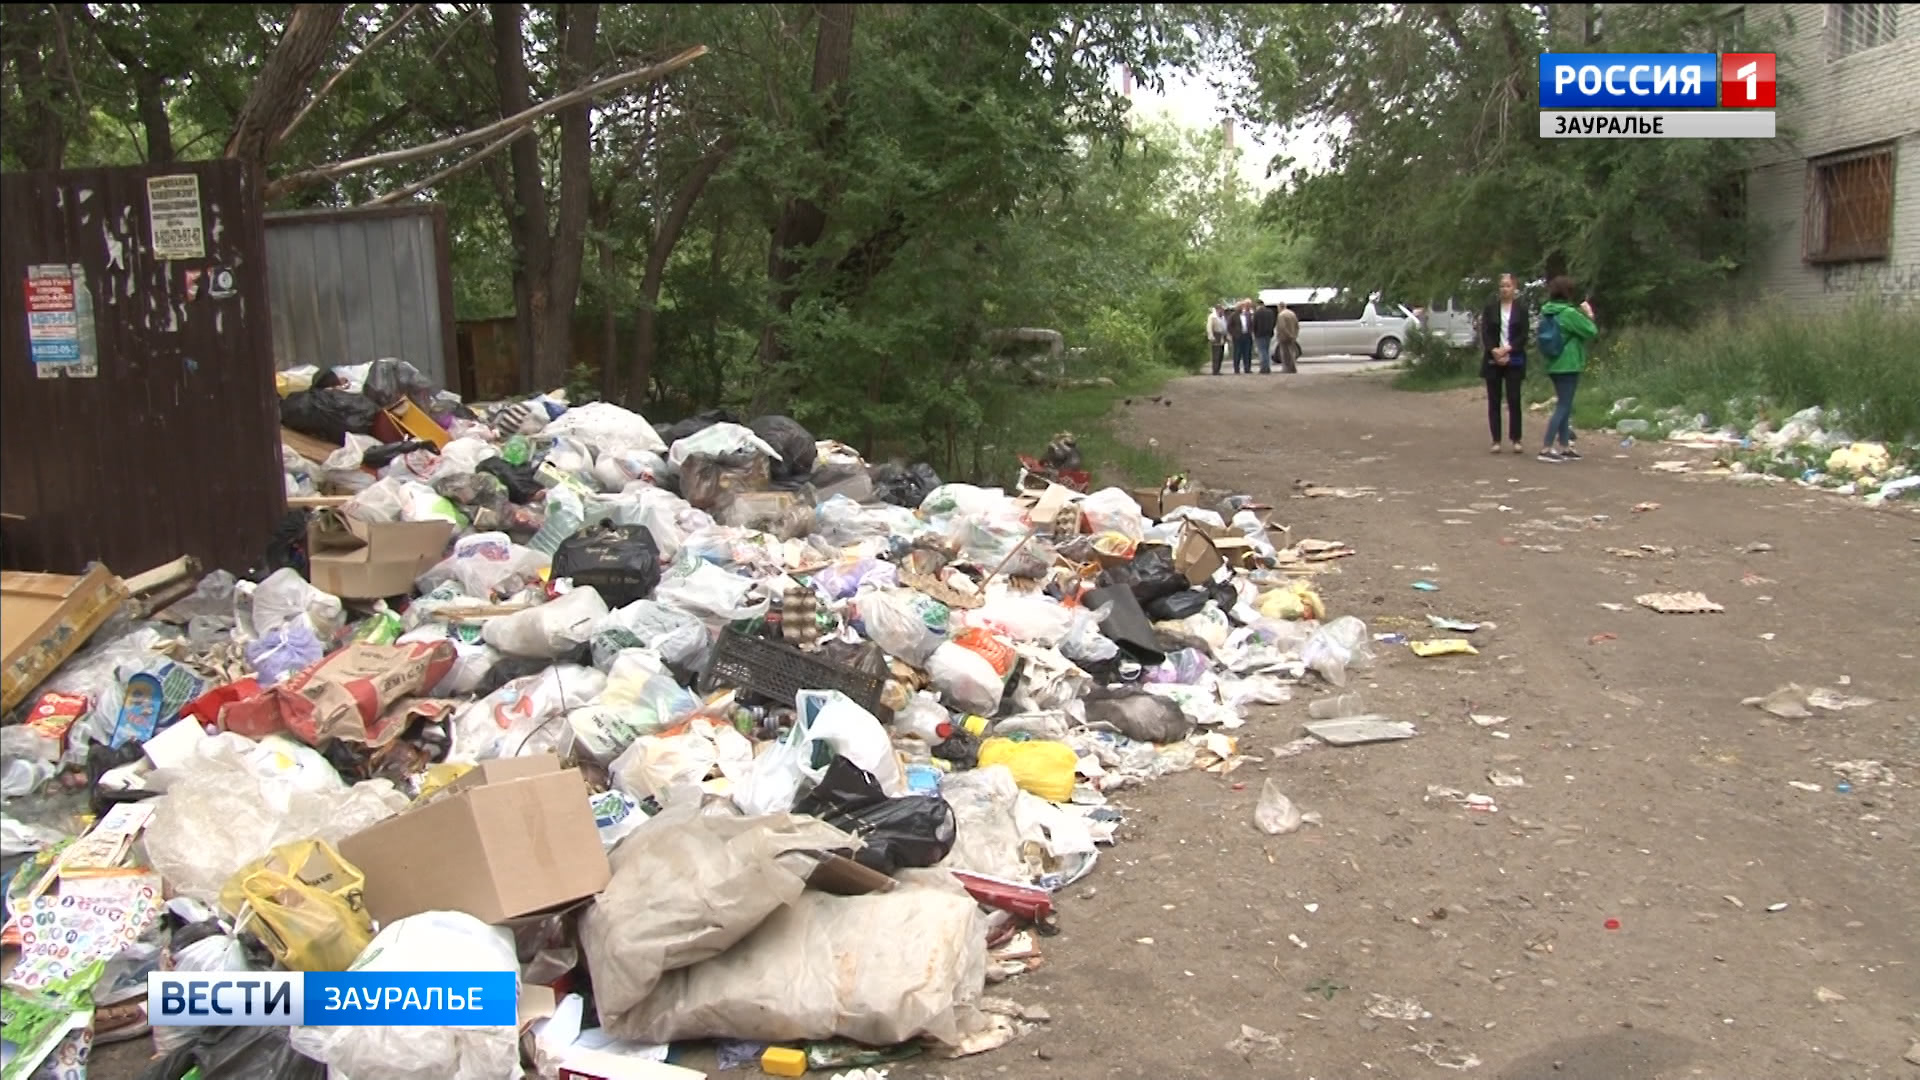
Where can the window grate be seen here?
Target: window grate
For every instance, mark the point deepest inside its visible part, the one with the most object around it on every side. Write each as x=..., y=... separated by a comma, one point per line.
x=1849, y=206
x=1852, y=28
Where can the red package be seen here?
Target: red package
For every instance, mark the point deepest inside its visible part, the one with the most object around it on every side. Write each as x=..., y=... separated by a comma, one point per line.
x=54, y=713
x=206, y=708
x=362, y=694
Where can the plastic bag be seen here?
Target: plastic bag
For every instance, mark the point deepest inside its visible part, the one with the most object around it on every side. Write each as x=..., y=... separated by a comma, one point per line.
x=485, y=571
x=670, y=768
x=1044, y=768
x=687, y=886
x=526, y=715
x=1024, y=618
x=966, y=679
x=1295, y=600
x=1084, y=643
x=911, y=831
x=792, y=445
x=710, y=593
x=233, y=1053
x=431, y=941
x=826, y=966
x=849, y=480
x=305, y=903
x=613, y=470
x=893, y=622
x=909, y=486
x=328, y=414
x=620, y=561
x=678, y=638
x=606, y=728
x=833, y=718
x=283, y=651
x=285, y=597
x=1336, y=648
x=390, y=380
x=608, y=427
x=1145, y=717
x=721, y=441
x=549, y=631
x=844, y=579
x=522, y=485
x=708, y=482
x=1113, y=510
x=1150, y=576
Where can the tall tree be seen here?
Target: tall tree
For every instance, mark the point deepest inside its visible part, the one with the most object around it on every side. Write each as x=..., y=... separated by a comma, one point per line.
x=284, y=83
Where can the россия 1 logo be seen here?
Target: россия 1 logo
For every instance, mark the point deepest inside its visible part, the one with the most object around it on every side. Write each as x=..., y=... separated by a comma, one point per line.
x=1657, y=95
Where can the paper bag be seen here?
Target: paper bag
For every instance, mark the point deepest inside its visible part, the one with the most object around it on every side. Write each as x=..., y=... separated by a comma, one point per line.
x=358, y=694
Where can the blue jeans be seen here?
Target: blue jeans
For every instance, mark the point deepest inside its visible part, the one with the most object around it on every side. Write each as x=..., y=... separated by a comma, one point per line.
x=1560, y=424
x=1265, y=345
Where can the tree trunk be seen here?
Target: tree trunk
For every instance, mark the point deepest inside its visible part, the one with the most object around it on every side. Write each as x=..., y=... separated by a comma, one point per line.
x=666, y=236
x=527, y=215
x=803, y=221
x=150, y=97
x=38, y=139
x=285, y=80
x=568, y=248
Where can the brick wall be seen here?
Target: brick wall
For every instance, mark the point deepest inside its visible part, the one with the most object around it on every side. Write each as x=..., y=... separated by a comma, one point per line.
x=1869, y=97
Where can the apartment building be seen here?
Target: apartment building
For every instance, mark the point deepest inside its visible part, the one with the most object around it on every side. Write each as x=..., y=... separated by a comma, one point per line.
x=1838, y=193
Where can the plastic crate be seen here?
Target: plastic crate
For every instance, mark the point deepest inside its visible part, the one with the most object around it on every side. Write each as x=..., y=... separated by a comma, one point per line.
x=778, y=671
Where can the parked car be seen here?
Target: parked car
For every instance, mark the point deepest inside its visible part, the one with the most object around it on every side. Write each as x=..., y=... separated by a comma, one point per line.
x=1333, y=323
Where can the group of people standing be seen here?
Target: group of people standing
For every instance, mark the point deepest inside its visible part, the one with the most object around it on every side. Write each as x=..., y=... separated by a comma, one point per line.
x=1562, y=337
x=1248, y=328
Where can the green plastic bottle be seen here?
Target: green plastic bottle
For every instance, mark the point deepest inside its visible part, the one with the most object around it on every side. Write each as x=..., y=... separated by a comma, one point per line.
x=517, y=451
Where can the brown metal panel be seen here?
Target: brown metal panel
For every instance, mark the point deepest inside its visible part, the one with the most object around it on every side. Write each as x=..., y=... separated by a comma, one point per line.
x=173, y=447
x=443, y=261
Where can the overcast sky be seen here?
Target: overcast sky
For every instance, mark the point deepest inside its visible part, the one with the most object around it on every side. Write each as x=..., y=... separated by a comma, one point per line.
x=1191, y=103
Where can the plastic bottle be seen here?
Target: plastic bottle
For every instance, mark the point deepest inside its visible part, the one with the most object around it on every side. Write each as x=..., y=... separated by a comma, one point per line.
x=517, y=451
x=565, y=514
x=1338, y=706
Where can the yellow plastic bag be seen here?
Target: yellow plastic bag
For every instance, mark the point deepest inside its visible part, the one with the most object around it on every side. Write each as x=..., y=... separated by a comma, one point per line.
x=437, y=779
x=1041, y=766
x=305, y=903
x=1294, y=601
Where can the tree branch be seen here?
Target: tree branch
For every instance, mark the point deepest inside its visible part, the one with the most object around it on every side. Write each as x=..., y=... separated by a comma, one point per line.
x=453, y=170
x=334, y=80
x=322, y=173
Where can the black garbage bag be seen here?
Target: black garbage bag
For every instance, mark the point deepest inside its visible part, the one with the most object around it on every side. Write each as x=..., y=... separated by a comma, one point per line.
x=621, y=561
x=693, y=425
x=1150, y=576
x=1138, y=715
x=328, y=414
x=237, y=1053
x=793, y=443
x=908, y=487
x=961, y=748
x=1126, y=624
x=522, y=485
x=1175, y=606
x=509, y=668
x=390, y=380
x=379, y=457
x=914, y=830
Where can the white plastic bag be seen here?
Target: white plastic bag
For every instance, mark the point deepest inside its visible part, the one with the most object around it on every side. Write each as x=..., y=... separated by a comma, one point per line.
x=525, y=716
x=286, y=596
x=485, y=570
x=709, y=592
x=893, y=622
x=551, y=630
x=719, y=440
x=674, y=768
x=966, y=679
x=431, y=941
x=677, y=636
x=608, y=427
x=613, y=470
x=854, y=733
x=1024, y=618
x=1113, y=510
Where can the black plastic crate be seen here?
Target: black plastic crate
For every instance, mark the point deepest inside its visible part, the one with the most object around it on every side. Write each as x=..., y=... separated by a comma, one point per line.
x=778, y=671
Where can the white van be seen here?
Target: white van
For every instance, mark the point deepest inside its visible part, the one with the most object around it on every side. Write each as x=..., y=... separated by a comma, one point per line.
x=1336, y=325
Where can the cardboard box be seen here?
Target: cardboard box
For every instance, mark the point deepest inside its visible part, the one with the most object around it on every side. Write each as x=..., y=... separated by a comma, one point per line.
x=1196, y=556
x=496, y=849
x=1159, y=503
x=45, y=618
x=359, y=560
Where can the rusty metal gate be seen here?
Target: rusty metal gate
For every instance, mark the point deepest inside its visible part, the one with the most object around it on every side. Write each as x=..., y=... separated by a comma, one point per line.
x=138, y=419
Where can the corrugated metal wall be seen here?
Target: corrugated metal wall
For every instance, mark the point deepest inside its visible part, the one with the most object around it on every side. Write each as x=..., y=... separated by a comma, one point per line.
x=351, y=286
x=167, y=444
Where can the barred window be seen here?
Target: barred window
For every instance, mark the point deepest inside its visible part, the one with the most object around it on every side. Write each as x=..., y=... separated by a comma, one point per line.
x=1849, y=210
x=1854, y=27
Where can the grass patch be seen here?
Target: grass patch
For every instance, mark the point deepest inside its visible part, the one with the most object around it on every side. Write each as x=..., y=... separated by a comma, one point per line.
x=1092, y=415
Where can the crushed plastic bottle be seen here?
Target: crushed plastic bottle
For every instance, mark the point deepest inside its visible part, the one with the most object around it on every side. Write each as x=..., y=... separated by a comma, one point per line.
x=565, y=514
x=1334, y=708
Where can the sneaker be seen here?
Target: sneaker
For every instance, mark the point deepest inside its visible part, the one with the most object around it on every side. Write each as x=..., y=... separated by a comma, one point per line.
x=1496, y=449
x=1569, y=454
x=1518, y=449
x=1551, y=457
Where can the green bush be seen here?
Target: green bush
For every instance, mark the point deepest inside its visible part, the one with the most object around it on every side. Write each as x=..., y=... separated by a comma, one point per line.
x=1768, y=364
x=1430, y=362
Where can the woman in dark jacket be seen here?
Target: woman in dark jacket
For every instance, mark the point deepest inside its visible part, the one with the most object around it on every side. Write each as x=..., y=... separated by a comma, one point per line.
x=1503, y=340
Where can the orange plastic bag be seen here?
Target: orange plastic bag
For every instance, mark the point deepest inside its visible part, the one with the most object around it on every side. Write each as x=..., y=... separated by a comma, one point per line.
x=990, y=648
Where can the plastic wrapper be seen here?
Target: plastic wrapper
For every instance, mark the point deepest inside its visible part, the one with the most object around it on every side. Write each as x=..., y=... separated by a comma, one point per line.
x=911, y=831
x=1145, y=717
x=431, y=941
x=966, y=679
x=231, y=804
x=1337, y=648
x=688, y=886
x=828, y=966
x=551, y=630
x=608, y=427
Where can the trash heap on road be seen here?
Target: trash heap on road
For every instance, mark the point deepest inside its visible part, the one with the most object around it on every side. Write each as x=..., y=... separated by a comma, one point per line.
x=1809, y=448
x=709, y=732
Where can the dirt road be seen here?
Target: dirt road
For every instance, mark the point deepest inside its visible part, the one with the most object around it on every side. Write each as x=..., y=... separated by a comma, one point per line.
x=1651, y=797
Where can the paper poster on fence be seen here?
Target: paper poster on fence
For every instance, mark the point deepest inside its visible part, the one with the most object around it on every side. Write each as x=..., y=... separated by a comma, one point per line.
x=60, y=331
x=173, y=211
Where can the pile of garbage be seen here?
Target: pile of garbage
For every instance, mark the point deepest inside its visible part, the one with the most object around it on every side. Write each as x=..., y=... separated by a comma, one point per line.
x=1810, y=448
x=709, y=732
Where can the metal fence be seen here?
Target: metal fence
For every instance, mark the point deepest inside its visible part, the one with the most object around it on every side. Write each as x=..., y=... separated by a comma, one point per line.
x=351, y=286
x=138, y=420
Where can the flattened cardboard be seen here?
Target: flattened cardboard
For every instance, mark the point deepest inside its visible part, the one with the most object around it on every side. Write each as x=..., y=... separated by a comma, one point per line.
x=359, y=560
x=493, y=850
x=45, y=618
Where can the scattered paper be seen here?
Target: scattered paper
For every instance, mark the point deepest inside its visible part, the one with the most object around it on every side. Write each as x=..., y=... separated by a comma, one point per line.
x=1443, y=647
x=1685, y=603
x=1485, y=720
x=1441, y=622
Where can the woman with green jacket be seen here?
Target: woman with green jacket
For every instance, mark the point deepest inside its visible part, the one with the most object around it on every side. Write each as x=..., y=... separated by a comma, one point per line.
x=1574, y=328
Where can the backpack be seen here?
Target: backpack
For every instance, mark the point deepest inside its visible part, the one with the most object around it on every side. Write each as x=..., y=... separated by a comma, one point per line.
x=1553, y=340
